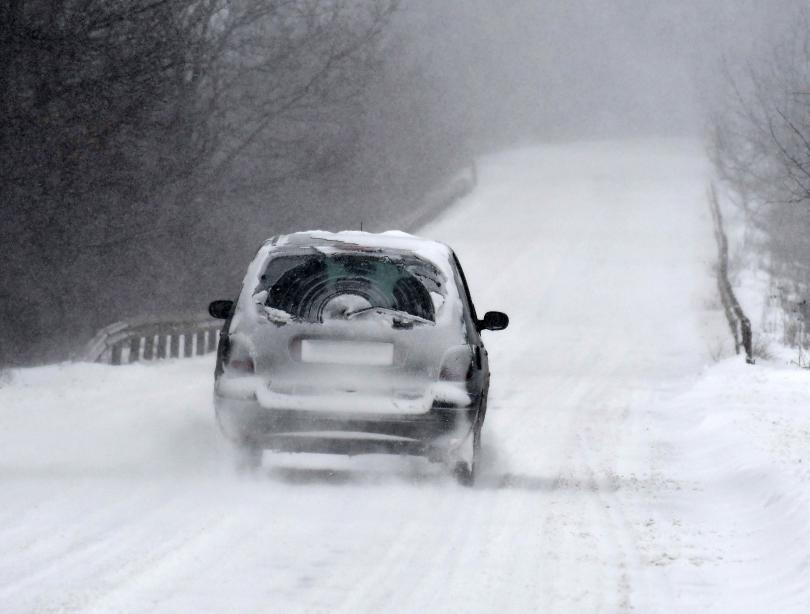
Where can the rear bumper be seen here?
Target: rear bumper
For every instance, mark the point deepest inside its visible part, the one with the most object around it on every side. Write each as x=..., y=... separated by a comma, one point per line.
x=293, y=430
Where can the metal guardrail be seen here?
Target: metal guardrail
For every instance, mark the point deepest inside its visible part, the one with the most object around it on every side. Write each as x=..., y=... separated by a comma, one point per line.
x=737, y=320
x=150, y=339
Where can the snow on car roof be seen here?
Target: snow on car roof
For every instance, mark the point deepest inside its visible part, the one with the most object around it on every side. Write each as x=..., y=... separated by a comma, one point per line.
x=390, y=239
x=394, y=240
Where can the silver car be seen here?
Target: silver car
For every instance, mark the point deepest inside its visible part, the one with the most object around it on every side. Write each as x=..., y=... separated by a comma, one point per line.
x=354, y=343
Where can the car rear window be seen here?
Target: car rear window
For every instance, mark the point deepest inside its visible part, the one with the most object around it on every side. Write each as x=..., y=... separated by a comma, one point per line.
x=318, y=286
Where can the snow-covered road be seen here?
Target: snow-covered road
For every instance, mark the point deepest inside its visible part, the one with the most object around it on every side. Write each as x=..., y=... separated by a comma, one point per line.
x=604, y=488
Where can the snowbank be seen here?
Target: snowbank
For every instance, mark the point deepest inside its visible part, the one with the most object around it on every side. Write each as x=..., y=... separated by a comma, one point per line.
x=734, y=536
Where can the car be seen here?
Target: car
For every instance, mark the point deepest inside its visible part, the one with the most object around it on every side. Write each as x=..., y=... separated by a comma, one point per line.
x=354, y=343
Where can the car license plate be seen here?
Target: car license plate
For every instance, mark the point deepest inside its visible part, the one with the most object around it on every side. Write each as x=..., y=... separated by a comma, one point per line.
x=370, y=353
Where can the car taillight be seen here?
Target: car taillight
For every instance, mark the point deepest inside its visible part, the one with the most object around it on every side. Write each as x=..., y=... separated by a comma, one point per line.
x=457, y=364
x=244, y=365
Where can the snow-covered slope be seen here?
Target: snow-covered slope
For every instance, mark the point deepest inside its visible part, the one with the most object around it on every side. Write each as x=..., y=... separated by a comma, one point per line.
x=621, y=474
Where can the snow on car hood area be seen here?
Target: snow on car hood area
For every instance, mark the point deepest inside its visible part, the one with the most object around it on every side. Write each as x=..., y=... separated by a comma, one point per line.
x=624, y=470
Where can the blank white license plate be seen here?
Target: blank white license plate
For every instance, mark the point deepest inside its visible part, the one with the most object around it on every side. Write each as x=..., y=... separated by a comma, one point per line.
x=347, y=352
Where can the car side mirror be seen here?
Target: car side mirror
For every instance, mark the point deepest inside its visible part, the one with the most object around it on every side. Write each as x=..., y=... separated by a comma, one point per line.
x=493, y=320
x=221, y=309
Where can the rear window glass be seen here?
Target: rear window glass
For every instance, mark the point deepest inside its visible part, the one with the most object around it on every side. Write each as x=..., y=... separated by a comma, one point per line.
x=318, y=287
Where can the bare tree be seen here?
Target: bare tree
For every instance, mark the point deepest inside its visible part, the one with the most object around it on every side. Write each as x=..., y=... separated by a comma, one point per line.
x=130, y=125
x=760, y=145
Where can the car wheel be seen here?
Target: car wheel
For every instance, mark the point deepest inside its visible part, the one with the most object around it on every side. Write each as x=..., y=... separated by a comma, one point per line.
x=465, y=470
x=246, y=458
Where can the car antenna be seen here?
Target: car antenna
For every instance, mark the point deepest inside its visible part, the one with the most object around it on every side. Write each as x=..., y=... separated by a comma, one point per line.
x=361, y=225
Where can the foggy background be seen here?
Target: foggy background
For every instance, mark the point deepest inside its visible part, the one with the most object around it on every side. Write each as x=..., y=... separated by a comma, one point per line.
x=147, y=148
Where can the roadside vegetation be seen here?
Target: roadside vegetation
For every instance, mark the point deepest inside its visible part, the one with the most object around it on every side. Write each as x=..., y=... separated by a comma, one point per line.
x=760, y=147
x=148, y=146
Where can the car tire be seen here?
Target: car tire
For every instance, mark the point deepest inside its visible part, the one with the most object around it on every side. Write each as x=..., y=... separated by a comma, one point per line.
x=465, y=470
x=246, y=458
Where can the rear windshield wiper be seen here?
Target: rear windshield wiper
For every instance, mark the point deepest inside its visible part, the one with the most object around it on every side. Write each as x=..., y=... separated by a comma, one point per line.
x=402, y=316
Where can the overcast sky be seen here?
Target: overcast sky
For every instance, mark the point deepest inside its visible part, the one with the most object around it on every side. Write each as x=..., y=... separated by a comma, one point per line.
x=534, y=69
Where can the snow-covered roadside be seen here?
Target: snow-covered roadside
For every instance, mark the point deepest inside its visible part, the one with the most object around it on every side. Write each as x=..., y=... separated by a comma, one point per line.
x=79, y=419
x=735, y=532
x=739, y=441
